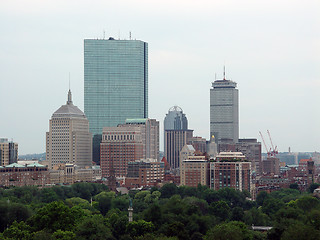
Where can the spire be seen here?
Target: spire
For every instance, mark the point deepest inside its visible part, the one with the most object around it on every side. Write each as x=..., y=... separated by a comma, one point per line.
x=69, y=98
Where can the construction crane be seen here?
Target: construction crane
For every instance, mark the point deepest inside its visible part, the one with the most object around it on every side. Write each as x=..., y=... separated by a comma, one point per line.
x=274, y=151
x=265, y=145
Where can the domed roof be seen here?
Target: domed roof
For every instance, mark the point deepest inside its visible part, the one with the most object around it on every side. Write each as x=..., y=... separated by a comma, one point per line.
x=68, y=110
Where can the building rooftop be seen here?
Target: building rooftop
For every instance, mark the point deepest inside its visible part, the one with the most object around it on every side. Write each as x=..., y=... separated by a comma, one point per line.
x=136, y=121
x=224, y=84
x=195, y=159
x=68, y=110
x=190, y=148
x=35, y=165
x=230, y=156
x=14, y=165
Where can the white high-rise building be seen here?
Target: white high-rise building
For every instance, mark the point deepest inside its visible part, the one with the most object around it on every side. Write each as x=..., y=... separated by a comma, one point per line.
x=69, y=140
x=224, y=110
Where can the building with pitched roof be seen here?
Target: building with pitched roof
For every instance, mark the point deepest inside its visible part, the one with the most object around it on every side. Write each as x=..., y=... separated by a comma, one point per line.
x=24, y=175
x=69, y=140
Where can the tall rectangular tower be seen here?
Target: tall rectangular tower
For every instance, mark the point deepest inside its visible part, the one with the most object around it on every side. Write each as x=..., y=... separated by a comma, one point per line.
x=8, y=152
x=224, y=110
x=115, y=82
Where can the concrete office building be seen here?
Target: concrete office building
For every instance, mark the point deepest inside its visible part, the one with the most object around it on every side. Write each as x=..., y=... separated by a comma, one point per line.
x=69, y=140
x=224, y=110
x=176, y=135
x=149, y=135
x=115, y=82
x=8, y=152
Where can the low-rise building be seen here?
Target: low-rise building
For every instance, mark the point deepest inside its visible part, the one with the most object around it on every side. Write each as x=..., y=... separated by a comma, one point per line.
x=24, y=175
x=194, y=170
x=144, y=172
x=70, y=173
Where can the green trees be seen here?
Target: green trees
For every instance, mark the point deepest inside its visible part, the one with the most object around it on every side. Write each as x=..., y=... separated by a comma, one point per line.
x=221, y=210
x=10, y=212
x=104, y=200
x=139, y=228
x=90, y=211
x=93, y=228
x=55, y=216
x=229, y=231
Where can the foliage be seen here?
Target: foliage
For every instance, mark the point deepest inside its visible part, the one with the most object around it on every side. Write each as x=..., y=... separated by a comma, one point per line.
x=55, y=216
x=312, y=187
x=139, y=228
x=93, y=228
x=91, y=211
x=229, y=231
x=10, y=212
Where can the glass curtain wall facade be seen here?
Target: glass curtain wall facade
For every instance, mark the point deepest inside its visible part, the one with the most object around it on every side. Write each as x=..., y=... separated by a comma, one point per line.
x=115, y=81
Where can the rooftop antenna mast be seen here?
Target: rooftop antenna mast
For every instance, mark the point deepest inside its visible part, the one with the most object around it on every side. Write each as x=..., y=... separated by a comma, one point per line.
x=104, y=34
x=69, y=81
x=224, y=72
x=130, y=35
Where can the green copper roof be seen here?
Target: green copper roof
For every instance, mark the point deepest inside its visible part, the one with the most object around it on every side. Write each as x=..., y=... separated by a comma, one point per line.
x=136, y=120
x=14, y=165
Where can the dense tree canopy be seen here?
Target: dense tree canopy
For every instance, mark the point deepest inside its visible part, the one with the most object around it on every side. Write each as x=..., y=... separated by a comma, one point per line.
x=91, y=211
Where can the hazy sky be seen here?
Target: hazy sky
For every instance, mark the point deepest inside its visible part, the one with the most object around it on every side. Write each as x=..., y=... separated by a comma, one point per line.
x=270, y=48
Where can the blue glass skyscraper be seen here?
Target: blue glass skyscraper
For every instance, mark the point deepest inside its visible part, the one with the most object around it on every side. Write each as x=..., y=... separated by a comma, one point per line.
x=115, y=81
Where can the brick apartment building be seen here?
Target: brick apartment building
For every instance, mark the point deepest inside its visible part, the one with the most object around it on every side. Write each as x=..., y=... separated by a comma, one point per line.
x=144, y=172
x=231, y=169
x=24, y=175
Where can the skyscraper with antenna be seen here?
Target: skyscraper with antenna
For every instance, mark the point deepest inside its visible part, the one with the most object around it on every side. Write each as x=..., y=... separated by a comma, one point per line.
x=224, y=110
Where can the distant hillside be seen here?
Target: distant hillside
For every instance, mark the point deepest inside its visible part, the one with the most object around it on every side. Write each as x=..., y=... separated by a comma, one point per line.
x=39, y=156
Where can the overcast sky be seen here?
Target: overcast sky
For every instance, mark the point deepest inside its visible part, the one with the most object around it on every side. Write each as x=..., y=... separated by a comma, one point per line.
x=270, y=48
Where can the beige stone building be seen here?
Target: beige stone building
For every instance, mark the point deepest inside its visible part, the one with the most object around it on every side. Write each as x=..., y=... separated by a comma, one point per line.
x=149, y=129
x=70, y=173
x=69, y=140
x=194, y=170
x=8, y=152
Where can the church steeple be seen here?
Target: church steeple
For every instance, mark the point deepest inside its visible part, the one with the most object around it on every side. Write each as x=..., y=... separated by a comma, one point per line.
x=69, y=98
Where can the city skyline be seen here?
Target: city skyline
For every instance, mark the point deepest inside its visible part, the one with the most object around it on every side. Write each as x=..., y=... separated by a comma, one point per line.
x=269, y=48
